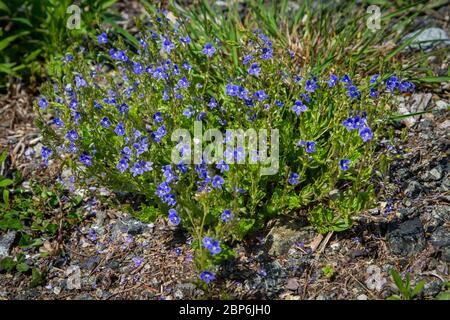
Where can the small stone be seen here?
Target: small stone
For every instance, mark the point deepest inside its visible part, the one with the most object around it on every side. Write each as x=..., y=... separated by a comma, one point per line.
x=6, y=243
x=440, y=238
x=436, y=173
x=374, y=212
x=406, y=238
x=427, y=39
x=442, y=105
x=287, y=233
x=90, y=262
x=334, y=194
x=292, y=284
x=74, y=277
x=57, y=290
x=336, y=246
x=413, y=190
x=362, y=297
x=432, y=288
x=444, y=125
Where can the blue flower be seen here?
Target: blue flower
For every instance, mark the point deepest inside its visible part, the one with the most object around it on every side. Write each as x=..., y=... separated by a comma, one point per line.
x=293, y=178
x=392, y=83
x=138, y=68
x=231, y=89
x=267, y=53
x=353, y=92
x=212, y=103
x=298, y=107
x=102, y=38
x=217, y=182
x=215, y=248
x=366, y=134
x=373, y=93
x=223, y=166
x=226, y=215
x=207, y=242
x=247, y=58
x=344, y=164
x=185, y=40
x=261, y=95
x=254, y=69
x=71, y=135
x=137, y=169
x=173, y=217
x=310, y=146
x=311, y=86
x=279, y=103
x=333, y=79
x=43, y=103
x=123, y=108
x=119, y=130
x=374, y=79
x=207, y=276
x=163, y=189
x=183, y=83
x=157, y=117
x=159, y=133
x=58, y=122
x=349, y=124
x=167, y=44
x=46, y=153
x=168, y=174
x=97, y=105
x=346, y=79
x=86, y=159
x=212, y=245
x=105, y=123
x=208, y=49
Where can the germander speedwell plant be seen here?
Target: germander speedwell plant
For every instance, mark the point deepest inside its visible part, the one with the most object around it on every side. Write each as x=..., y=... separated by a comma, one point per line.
x=128, y=119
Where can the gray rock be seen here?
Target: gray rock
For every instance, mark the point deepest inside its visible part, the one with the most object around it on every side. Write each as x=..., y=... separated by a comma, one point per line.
x=90, y=262
x=436, y=173
x=6, y=242
x=445, y=254
x=406, y=238
x=413, y=190
x=435, y=217
x=287, y=233
x=186, y=291
x=131, y=226
x=418, y=102
x=442, y=105
x=432, y=288
x=292, y=284
x=428, y=38
x=440, y=237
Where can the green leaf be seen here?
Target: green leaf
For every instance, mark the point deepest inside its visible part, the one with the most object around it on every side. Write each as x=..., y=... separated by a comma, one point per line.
x=443, y=296
x=36, y=278
x=6, y=196
x=7, y=264
x=434, y=79
x=6, y=182
x=4, y=7
x=398, y=280
x=5, y=42
x=418, y=289
x=244, y=227
x=22, y=267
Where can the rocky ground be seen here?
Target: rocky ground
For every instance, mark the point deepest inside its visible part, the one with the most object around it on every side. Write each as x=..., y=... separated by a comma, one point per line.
x=112, y=255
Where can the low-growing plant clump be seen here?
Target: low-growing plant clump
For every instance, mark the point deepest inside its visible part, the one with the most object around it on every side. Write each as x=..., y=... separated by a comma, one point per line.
x=217, y=149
